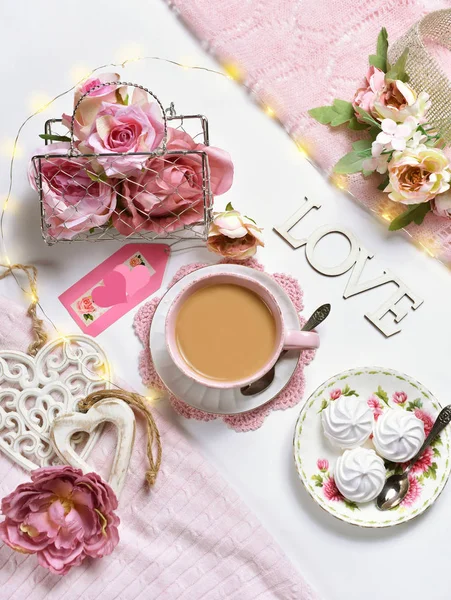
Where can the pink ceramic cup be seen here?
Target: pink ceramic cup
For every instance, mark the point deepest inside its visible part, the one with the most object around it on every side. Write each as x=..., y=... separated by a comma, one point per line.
x=286, y=339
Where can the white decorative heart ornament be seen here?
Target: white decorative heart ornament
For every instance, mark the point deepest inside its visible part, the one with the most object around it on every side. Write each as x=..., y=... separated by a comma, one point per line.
x=34, y=391
x=109, y=410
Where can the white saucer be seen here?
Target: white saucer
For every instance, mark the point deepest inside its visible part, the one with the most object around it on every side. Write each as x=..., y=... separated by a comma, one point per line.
x=213, y=400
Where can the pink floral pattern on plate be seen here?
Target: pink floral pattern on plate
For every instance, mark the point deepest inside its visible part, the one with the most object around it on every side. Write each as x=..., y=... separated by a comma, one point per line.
x=381, y=389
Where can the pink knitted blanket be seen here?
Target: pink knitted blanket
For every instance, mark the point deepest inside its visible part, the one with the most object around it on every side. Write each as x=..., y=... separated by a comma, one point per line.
x=189, y=538
x=299, y=54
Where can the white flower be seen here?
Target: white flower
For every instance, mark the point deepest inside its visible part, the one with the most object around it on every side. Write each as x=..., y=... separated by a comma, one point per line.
x=394, y=136
x=398, y=101
x=376, y=163
x=417, y=139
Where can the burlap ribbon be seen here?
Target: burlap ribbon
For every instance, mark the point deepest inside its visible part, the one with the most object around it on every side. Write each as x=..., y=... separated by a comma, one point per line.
x=424, y=71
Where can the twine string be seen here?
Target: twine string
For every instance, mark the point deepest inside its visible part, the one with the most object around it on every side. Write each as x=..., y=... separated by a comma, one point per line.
x=37, y=324
x=139, y=402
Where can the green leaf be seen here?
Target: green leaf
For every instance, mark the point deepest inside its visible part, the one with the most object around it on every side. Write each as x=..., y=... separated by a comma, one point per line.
x=367, y=118
x=384, y=183
x=88, y=317
x=346, y=391
x=97, y=176
x=250, y=219
x=324, y=405
x=436, y=452
x=323, y=114
x=351, y=505
x=415, y=213
x=351, y=162
x=339, y=113
x=417, y=403
x=378, y=61
x=398, y=70
x=382, y=395
x=355, y=125
x=229, y=207
x=54, y=138
x=318, y=480
x=362, y=145
x=382, y=43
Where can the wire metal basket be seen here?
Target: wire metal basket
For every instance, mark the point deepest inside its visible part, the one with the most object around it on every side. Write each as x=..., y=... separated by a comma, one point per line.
x=164, y=194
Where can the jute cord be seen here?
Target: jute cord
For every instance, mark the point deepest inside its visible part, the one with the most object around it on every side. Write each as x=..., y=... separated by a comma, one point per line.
x=424, y=71
x=153, y=435
x=37, y=324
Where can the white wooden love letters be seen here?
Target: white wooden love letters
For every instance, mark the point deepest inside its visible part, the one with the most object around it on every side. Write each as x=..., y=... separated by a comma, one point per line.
x=34, y=391
x=355, y=262
x=110, y=410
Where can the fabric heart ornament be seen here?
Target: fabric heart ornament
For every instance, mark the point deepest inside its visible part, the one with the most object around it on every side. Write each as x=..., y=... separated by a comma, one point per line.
x=34, y=391
x=112, y=292
x=110, y=410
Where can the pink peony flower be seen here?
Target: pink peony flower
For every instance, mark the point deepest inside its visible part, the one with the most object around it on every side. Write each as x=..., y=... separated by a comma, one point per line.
x=335, y=394
x=426, y=418
x=322, y=464
x=62, y=516
x=73, y=202
x=85, y=305
x=331, y=491
x=375, y=406
x=137, y=127
x=414, y=491
x=90, y=105
x=424, y=462
x=365, y=96
x=234, y=236
x=168, y=193
x=399, y=397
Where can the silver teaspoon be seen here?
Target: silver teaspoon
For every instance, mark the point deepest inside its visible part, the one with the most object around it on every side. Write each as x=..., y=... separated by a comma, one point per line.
x=265, y=380
x=397, y=486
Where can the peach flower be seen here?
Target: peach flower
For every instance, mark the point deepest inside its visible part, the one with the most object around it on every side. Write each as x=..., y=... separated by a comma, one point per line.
x=397, y=101
x=417, y=175
x=365, y=96
x=441, y=205
x=234, y=236
x=86, y=306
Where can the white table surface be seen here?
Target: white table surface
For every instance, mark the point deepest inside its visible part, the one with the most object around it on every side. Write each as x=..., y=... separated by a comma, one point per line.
x=44, y=45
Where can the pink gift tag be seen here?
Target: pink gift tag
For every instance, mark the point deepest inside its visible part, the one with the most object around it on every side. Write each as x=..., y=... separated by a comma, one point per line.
x=116, y=286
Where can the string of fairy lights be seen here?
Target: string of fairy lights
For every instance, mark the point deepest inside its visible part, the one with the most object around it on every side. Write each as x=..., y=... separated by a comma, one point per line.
x=230, y=71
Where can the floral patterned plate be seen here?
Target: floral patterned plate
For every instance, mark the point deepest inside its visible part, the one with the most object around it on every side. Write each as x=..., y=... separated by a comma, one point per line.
x=315, y=457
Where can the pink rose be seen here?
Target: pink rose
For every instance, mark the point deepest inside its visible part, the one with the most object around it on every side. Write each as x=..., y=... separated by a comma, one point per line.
x=135, y=261
x=413, y=492
x=322, y=464
x=375, y=406
x=124, y=129
x=427, y=420
x=330, y=490
x=62, y=516
x=234, y=236
x=365, y=96
x=168, y=193
x=90, y=105
x=424, y=462
x=335, y=394
x=85, y=305
x=73, y=202
x=399, y=397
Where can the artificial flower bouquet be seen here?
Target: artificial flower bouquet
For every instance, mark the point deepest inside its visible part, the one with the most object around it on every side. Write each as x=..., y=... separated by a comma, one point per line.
x=122, y=169
x=398, y=143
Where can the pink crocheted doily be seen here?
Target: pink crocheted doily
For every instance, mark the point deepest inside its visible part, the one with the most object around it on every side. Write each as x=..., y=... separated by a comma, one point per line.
x=253, y=419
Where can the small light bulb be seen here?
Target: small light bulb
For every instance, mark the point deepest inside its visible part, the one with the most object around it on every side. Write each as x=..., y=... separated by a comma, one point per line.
x=302, y=150
x=269, y=111
x=233, y=71
x=386, y=216
x=79, y=73
x=39, y=101
x=339, y=181
x=10, y=148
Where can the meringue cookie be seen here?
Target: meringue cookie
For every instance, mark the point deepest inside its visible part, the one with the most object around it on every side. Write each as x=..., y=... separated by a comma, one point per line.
x=360, y=474
x=398, y=435
x=347, y=422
